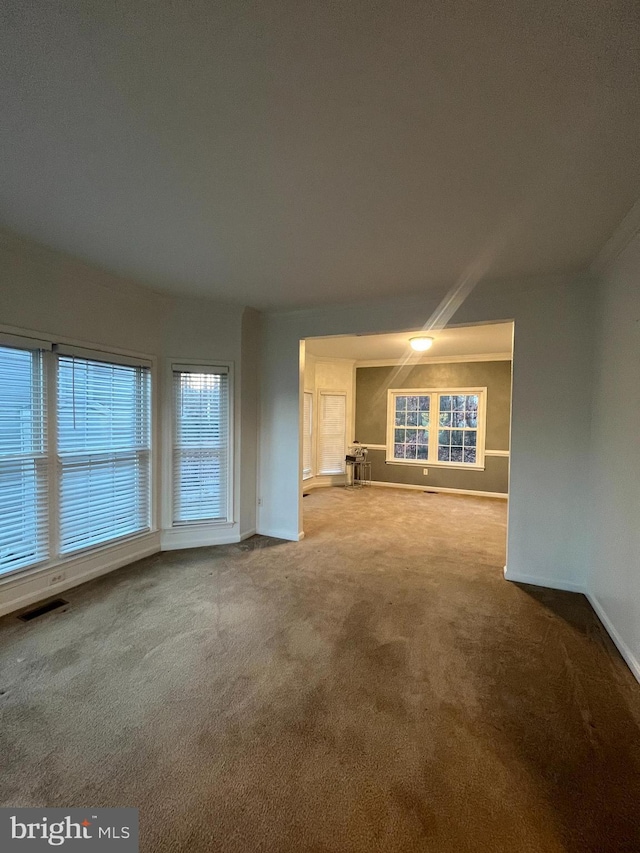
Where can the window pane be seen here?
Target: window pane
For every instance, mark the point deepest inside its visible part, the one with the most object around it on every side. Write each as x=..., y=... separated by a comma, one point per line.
x=400, y=418
x=20, y=402
x=399, y=436
x=98, y=407
x=470, y=455
x=410, y=451
x=423, y=436
x=444, y=437
x=458, y=403
x=23, y=468
x=470, y=437
x=307, y=436
x=22, y=513
x=332, y=433
x=472, y=419
x=201, y=446
x=102, y=499
x=398, y=451
x=411, y=436
x=456, y=454
x=445, y=403
x=443, y=454
x=456, y=437
x=445, y=419
x=423, y=451
x=412, y=404
x=424, y=403
x=457, y=419
x=412, y=419
x=423, y=419
x=104, y=424
x=401, y=404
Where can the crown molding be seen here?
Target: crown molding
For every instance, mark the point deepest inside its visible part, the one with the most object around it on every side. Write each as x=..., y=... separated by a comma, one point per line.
x=627, y=231
x=434, y=359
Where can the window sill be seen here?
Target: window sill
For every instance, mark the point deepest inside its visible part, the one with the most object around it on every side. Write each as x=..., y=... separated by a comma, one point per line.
x=68, y=561
x=425, y=463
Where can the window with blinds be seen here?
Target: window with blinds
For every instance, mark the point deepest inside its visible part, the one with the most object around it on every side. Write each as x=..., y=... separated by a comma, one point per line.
x=307, y=436
x=200, y=444
x=23, y=460
x=103, y=451
x=332, y=433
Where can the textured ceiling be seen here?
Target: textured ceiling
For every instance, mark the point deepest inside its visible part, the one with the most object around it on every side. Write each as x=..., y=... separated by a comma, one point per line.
x=303, y=152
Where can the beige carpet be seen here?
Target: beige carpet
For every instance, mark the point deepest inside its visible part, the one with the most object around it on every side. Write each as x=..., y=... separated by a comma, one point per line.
x=375, y=687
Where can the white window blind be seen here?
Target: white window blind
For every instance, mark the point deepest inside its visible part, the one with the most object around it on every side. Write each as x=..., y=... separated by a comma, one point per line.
x=23, y=462
x=307, y=436
x=332, y=433
x=200, y=444
x=103, y=451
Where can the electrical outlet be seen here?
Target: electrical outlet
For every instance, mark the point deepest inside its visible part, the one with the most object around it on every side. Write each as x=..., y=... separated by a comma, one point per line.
x=425, y=471
x=54, y=579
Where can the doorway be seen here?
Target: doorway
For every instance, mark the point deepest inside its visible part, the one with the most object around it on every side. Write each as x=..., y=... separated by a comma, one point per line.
x=429, y=421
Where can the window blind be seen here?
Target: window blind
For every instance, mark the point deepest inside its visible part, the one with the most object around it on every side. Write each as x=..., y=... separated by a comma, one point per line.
x=23, y=462
x=200, y=444
x=307, y=436
x=332, y=433
x=103, y=451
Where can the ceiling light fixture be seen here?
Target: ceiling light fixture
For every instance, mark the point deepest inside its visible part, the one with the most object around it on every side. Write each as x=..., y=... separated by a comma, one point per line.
x=421, y=343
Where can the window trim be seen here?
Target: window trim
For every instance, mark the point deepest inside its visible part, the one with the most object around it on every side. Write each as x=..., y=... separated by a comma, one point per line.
x=479, y=464
x=208, y=365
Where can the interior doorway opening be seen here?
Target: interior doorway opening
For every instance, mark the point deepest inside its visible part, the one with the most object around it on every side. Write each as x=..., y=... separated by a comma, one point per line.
x=393, y=414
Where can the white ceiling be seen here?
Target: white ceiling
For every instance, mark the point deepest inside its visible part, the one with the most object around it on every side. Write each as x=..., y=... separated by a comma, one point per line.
x=291, y=152
x=492, y=339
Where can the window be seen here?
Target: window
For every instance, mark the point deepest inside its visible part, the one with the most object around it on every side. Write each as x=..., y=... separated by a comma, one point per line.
x=438, y=426
x=307, y=436
x=103, y=451
x=201, y=464
x=23, y=460
x=75, y=450
x=332, y=432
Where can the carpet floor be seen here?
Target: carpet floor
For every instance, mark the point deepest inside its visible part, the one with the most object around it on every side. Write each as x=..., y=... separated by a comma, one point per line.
x=375, y=687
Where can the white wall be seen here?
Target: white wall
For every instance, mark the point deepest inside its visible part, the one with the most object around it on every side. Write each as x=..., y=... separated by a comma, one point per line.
x=60, y=297
x=550, y=427
x=614, y=576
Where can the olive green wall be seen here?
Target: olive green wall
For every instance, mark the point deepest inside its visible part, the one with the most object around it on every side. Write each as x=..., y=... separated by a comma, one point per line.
x=372, y=384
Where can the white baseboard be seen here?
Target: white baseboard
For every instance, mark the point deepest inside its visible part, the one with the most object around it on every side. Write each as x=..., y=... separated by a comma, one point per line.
x=630, y=659
x=274, y=533
x=428, y=488
x=551, y=583
x=26, y=589
x=323, y=482
x=247, y=534
x=199, y=536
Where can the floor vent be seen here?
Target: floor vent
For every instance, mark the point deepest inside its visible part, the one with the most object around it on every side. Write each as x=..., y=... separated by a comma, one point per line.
x=47, y=607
